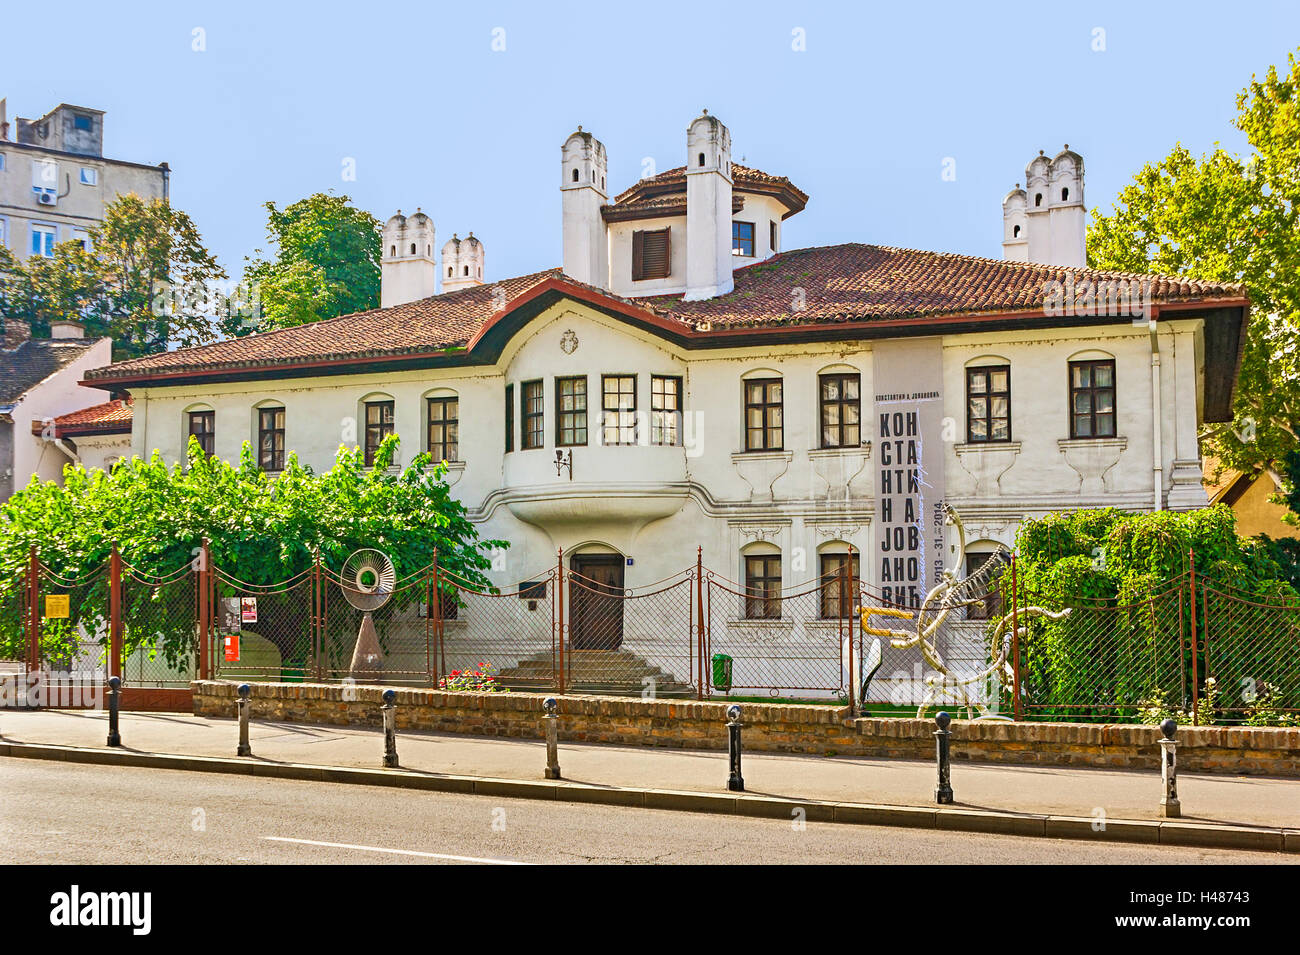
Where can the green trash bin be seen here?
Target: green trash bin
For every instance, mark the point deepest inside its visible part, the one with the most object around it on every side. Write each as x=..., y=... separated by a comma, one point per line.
x=722, y=672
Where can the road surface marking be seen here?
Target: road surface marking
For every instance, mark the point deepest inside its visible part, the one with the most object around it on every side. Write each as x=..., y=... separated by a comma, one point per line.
x=396, y=852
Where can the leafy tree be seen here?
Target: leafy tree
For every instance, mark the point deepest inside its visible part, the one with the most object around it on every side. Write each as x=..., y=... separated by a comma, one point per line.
x=1128, y=636
x=144, y=280
x=326, y=263
x=262, y=530
x=1226, y=218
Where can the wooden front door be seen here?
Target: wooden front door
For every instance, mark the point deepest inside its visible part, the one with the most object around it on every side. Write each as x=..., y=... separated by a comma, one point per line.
x=595, y=602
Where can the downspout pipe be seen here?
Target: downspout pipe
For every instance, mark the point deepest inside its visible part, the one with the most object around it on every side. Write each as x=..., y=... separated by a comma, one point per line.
x=1157, y=447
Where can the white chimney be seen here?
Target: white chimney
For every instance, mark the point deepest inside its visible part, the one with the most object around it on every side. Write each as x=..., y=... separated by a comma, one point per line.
x=708, y=208
x=1046, y=222
x=408, y=270
x=582, y=193
x=67, y=328
x=462, y=263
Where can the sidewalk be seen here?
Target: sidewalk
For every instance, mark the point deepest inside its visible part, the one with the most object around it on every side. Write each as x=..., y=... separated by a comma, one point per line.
x=1054, y=791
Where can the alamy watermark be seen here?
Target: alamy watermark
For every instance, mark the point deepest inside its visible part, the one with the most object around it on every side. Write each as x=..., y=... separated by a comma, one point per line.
x=1114, y=298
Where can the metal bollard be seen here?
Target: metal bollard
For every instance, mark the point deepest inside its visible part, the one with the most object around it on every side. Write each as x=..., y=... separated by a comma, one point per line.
x=942, y=738
x=552, y=723
x=389, y=710
x=114, y=705
x=735, y=782
x=1170, y=807
x=244, y=706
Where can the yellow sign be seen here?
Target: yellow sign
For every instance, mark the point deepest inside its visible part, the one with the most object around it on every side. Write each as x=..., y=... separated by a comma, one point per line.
x=56, y=606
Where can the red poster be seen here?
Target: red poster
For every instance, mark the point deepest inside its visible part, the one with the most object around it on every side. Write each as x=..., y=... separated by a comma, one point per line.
x=232, y=648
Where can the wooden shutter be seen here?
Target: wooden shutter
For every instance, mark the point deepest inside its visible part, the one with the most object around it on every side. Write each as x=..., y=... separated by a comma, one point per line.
x=638, y=256
x=651, y=254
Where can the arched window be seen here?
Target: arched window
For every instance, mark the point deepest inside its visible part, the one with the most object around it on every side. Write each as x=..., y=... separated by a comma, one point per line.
x=449, y=271
x=1015, y=233
x=701, y=159
x=1065, y=194
x=467, y=270
x=393, y=251
x=269, y=421
x=762, y=570
x=413, y=248
x=1038, y=199
x=575, y=174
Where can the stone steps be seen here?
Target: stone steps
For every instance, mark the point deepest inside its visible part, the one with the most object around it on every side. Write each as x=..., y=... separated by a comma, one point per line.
x=613, y=672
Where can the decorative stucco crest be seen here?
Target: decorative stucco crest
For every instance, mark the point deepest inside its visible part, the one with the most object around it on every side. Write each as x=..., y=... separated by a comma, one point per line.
x=569, y=342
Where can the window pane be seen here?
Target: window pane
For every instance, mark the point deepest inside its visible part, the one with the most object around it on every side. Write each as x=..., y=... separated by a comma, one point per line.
x=998, y=381
x=977, y=383
x=1105, y=402
x=1082, y=402
x=830, y=388
x=1083, y=426
x=1103, y=375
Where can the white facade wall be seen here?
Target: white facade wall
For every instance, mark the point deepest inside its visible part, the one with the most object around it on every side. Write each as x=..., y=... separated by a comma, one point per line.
x=657, y=503
x=59, y=394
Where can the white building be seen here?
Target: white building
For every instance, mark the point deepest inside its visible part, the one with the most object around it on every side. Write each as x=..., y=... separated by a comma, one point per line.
x=683, y=380
x=39, y=382
x=55, y=180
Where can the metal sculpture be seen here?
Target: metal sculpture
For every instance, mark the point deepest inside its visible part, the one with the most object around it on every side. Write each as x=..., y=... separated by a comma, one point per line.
x=949, y=594
x=367, y=578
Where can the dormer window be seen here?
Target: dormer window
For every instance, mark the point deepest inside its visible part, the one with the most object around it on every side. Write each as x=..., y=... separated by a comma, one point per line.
x=742, y=238
x=81, y=122
x=651, y=255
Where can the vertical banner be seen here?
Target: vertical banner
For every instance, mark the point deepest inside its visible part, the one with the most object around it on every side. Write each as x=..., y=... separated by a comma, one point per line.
x=909, y=546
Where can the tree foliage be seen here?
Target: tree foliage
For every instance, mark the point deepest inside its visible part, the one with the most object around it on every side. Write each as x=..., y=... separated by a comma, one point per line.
x=1228, y=218
x=325, y=263
x=262, y=529
x=143, y=281
x=1126, y=644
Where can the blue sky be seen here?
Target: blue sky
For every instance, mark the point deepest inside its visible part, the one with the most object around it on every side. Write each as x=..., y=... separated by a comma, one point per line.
x=433, y=116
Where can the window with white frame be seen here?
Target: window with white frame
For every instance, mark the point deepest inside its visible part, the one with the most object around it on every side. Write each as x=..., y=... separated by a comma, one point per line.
x=45, y=181
x=4, y=233
x=43, y=237
x=89, y=176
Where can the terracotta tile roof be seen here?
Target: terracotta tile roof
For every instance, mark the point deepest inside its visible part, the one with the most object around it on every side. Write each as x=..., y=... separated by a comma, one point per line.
x=673, y=204
x=111, y=417
x=744, y=179
x=443, y=321
x=840, y=283
x=856, y=282
x=26, y=366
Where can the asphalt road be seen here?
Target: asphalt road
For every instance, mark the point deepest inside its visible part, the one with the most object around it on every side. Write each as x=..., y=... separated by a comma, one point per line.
x=53, y=812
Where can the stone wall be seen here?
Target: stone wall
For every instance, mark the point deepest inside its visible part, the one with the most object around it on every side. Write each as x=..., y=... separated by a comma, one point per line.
x=814, y=730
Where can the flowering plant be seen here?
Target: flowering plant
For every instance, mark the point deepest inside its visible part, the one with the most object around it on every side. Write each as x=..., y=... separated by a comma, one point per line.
x=479, y=680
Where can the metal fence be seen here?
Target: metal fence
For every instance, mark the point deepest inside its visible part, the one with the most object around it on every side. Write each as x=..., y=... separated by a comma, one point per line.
x=1187, y=644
